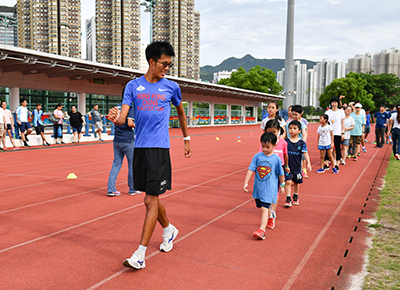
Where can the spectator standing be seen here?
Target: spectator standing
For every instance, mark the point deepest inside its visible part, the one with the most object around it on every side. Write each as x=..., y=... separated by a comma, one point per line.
x=38, y=123
x=381, y=118
x=367, y=124
x=76, y=120
x=356, y=132
x=9, y=126
x=124, y=142
x=348, y=126
x=96, y=118
x=394, y=127
x=23, y=122
x=58, y=126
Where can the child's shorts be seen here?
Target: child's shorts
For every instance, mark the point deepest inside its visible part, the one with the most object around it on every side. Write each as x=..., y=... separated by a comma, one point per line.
x=295, y=176
x=346, y=142
x=356, y=138
x=261, y=204
x=320, y=147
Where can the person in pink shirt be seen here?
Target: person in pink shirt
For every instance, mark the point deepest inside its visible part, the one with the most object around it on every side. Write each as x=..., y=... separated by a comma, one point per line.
x=58, y=127
x=280, y=149
x=9, y=126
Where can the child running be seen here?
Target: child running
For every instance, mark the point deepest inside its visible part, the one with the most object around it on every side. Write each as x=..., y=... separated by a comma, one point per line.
x=325, y=142
x=296, y=147
x=280, y=149
x=269, y=172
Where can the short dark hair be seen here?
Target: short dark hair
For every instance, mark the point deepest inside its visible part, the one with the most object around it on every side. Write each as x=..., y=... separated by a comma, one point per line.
x=38, y=104
x=335, y=99
x=22, y=100
x=297, y=109
x=295, y=123
x=157, y=48
x=268, y=137
x=59, y=105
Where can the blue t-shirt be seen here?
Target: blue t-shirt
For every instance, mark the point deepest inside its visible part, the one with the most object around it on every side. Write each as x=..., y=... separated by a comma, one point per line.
x=303, y=128
x=359, y=120
x=368, y=123
x=267, y=170
x=37, y=118
x=124, y=133
x=381, y=119
x=295, y=151
x=152, y=106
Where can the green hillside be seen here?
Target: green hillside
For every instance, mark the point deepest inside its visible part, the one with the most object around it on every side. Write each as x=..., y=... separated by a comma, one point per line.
x=247, y=62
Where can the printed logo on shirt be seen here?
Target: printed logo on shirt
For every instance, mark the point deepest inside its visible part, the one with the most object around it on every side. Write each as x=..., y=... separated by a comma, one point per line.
x=141, y=88
x=263, y=171
x=162, y=90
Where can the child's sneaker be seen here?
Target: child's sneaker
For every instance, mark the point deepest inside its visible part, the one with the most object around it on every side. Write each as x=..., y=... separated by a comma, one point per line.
x=335, y=171
x=296, y=199
x=168, y=239
x=321, y=170
x=16, y=148
x=373, y=143
x=136, y=261
x=366, y=140
x=271, y=223
x=115, y=193
x=305, y=173
x=5, y=148
x=348, y=156
x=355, y=158
x=288, y=202
x=259, y=234
x=343, y=162
x=358, y=154
x=364, y=150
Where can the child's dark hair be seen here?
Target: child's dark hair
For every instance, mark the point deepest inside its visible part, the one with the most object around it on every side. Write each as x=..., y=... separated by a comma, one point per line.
x=269, y=137
x=277, y=106
x=157, y=48
x=295, y=123
x=326, y=117
x=297, y=109
x=274, y=123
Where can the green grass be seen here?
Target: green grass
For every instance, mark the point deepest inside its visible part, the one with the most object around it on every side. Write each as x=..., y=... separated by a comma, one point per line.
x=384, y=256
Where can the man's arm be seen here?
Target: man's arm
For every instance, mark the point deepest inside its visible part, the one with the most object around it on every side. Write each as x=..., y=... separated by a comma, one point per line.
x=183, y=124
x=117, y=117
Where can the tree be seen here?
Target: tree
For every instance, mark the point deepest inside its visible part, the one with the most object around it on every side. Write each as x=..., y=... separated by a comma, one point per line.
x=257, y=79
x=352, y=87
x=385, y=88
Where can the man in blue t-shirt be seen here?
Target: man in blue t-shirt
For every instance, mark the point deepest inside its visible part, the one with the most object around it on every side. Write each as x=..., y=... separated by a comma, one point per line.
x=381, y=118
x=123, y=144
x=150, y=97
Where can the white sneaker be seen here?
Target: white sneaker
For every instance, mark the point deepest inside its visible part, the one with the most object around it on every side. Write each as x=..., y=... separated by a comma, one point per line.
x=136, y=192
x=136, y=261
x=343, y=162
x=167, y=244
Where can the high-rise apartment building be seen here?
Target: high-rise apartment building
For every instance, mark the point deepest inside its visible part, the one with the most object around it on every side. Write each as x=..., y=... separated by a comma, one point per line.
x=50, y=26
x=8, y=25
x=118, y=32
x=360, y=63
x=177, y=22
x=387, y=61
x=90, y=39
x=300, y=83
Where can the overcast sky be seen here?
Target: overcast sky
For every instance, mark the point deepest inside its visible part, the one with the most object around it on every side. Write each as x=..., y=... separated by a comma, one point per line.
x=332, y=29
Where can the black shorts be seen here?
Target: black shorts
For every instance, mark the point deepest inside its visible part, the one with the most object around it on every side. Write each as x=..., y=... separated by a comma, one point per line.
x=296, y=177
x=261, y=204
x=8, y=127
x=152, y=170
x=39, y=129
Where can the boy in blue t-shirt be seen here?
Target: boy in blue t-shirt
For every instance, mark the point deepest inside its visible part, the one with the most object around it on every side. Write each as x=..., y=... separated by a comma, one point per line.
x=151, y=96
x=269, y=172
x=296, y=149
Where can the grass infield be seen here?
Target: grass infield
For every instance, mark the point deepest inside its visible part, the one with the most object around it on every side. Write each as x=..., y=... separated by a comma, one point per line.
x=384, y=256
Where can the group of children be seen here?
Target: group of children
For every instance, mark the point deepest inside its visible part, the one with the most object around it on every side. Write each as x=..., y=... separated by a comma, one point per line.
x=283, y=158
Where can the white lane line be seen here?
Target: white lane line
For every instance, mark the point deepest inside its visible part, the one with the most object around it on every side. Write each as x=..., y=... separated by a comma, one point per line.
x=114, y=213
x=177, y=241
x=314, y=245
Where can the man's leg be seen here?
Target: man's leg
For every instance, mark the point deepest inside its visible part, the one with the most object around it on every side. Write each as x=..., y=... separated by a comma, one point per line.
x=152, y=215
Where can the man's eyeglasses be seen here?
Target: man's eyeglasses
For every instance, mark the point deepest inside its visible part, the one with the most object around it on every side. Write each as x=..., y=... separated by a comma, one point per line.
x=166, y=64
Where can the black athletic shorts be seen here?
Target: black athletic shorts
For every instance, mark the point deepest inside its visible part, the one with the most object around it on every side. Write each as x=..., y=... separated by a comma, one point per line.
x=39, y=129
x=152, y=170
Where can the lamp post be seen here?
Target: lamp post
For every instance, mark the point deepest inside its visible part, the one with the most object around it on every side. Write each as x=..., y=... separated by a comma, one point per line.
x=8, y=21
x=150, y=8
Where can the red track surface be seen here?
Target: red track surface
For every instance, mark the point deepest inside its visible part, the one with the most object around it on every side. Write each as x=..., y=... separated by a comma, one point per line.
x=59, y=233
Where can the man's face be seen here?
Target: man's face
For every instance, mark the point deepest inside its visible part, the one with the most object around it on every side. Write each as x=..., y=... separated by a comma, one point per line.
x=161, y=66
x=382, y=109
x=96, y=107
x=73, y=109
x=24, y=103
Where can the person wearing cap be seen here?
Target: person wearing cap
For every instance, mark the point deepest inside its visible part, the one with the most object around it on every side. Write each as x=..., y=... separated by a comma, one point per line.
x=336, y=119
x=357, y=132
x=362, y=111
x=381, y=118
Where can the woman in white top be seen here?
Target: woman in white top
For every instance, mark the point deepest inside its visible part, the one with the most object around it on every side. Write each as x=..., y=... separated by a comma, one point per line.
x=9, y=126
x=395, y=125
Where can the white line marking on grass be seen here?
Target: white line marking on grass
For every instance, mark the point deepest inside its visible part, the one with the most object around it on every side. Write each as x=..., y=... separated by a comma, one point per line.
x=314, y=245
x=177, y=241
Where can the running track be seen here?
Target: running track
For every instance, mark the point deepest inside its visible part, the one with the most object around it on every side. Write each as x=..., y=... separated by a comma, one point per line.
x=59, y=233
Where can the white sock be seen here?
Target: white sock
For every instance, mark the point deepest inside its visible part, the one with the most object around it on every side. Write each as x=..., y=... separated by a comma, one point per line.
x=273, y=214
x=168, y=229
x=142, y=250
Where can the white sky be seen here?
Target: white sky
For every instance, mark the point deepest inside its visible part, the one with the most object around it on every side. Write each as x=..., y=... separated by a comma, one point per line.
x=332, y=29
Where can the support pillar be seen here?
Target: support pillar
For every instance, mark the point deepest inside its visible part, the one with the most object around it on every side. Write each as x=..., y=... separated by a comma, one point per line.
x=229, y=112
x=243, y=114
x=190, y=113
x=82, y=103
x=211, y=110
x=14, y=99
x=255, y=110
